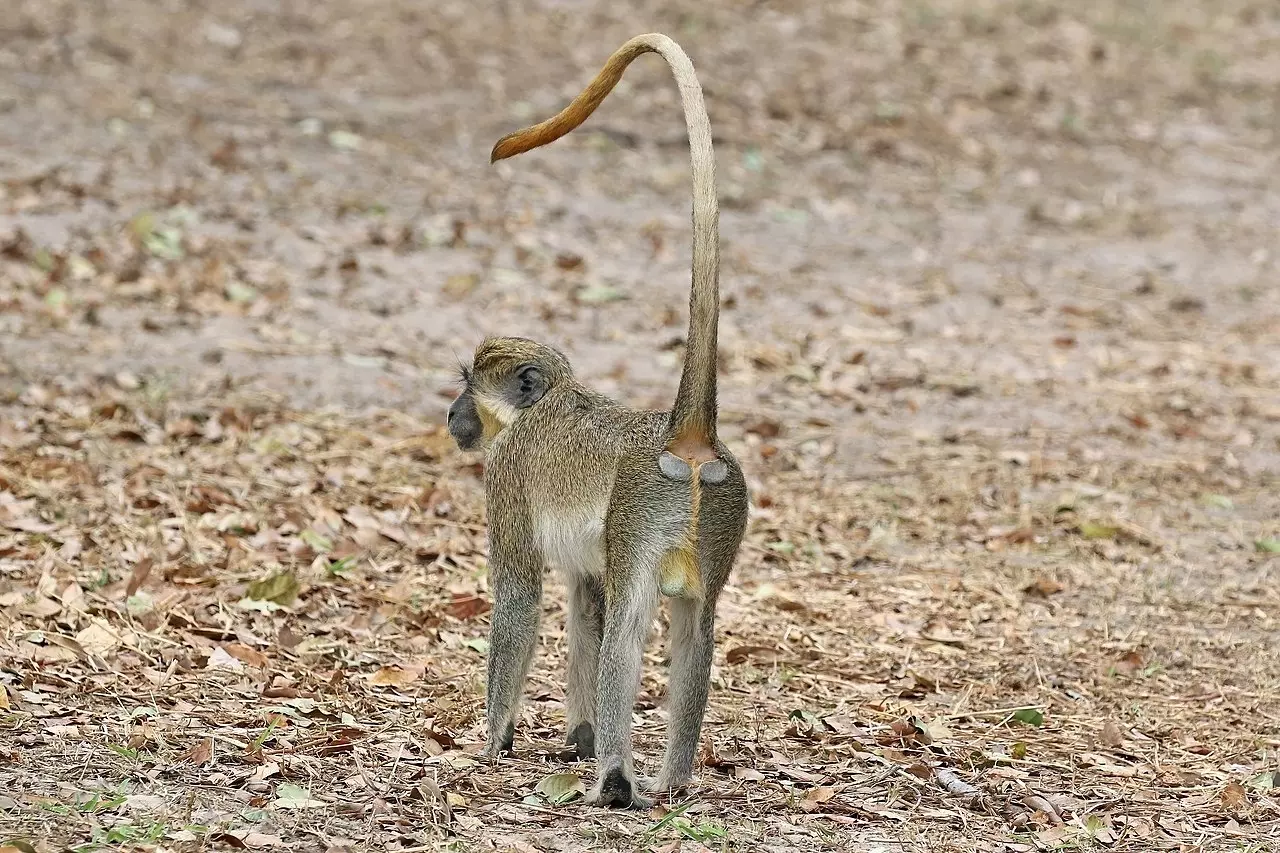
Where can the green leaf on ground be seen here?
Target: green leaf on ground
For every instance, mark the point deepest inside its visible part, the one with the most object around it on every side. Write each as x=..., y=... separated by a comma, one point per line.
x=561, y=788
x=280, y=588
x=1028, y=716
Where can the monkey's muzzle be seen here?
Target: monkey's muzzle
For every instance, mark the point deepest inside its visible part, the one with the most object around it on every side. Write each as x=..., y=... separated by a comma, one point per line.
x=464, y=422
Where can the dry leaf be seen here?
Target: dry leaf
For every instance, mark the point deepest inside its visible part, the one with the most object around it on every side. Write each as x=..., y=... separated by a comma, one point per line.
x=1128, y=664
x=1235, y=800
x=467, y=605
x=1043, y=587
x=201, y=753
x=220, y=659
x=257, y=840
x=40, y=607
x=741, y=654
x=942, y=634
x=98, y=638
x=1103, y=764
x=243, y=653
x=392, y=676
x=18, y=845
x=954, y=785
x=139, y=576
x=815, y=797
x=1042, y=805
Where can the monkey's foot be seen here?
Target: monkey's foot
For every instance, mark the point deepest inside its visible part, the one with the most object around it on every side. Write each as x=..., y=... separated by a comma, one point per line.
x=616, y=790
x=663, y=784
x=499, y=742
x=582, y=740
x=495, y=750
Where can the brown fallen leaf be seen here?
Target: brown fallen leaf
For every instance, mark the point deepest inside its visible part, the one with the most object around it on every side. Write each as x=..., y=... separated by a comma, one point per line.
x=232, y=841
x=942, y=634
x=243, y=653
x=219, y=658
x=742, y=654
x=569, y=261
x=1235, y=800
x=765, y=428
x=920, y=771
x=1128, y=664
x=1043, y=587
x=459, y=285
x=201, y=753
x=394, y=676
x=467, y=605
x=139, y=575
x=286, y=639
x=815, y=797
x=68, y=644
x=788, y=605
x=40, y=607
x=900, y=732
x=1042, y=805
x=98, y=638
x=1103, y=764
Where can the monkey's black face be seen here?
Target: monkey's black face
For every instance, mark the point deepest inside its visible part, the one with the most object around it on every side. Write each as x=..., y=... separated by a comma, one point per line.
x=464, y=422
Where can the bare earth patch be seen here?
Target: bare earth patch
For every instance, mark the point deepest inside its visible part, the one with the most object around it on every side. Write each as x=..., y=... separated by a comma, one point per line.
x=1001, y=352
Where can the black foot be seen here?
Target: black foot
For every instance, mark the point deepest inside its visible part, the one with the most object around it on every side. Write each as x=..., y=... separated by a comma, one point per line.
x=616, y=791
x=508, y=738
x=582, y=741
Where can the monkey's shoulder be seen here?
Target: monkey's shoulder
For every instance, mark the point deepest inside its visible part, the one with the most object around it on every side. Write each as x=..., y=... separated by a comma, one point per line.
x=589, y=421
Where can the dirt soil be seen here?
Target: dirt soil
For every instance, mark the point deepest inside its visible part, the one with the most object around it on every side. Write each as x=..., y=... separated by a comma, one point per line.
x=1000, y=354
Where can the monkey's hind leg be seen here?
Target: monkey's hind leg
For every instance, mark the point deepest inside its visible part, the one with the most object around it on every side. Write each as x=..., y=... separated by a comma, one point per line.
x=691, y=639
x=691, y=646
x=586, y=632
x=517, y=607
x=632, y=600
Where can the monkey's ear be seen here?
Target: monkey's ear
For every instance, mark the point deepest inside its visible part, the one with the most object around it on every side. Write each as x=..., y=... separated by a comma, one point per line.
x=528, y=385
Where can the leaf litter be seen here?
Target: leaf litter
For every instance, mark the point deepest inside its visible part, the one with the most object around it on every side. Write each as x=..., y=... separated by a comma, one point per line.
x=1009, y=582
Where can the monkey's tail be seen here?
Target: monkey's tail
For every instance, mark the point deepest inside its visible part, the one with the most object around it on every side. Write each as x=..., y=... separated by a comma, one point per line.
x=691, y=430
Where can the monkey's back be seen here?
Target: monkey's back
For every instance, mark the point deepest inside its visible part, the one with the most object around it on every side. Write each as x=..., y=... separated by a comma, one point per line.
x=604, y=468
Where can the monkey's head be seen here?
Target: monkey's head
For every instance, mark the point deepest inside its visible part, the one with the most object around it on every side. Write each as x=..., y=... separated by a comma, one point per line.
x=506, y=376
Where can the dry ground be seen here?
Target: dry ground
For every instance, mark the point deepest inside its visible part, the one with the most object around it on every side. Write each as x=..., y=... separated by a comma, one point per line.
x=1001, y=348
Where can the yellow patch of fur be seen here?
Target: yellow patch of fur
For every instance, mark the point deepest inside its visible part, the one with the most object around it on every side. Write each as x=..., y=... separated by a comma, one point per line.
x=678, y=573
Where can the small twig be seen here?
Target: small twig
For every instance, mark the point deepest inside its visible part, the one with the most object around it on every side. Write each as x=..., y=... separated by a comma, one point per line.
x=994, y=712
x=552, y=812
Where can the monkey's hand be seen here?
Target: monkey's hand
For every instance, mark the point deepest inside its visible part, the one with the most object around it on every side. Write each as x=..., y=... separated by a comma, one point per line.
x=615, y=789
